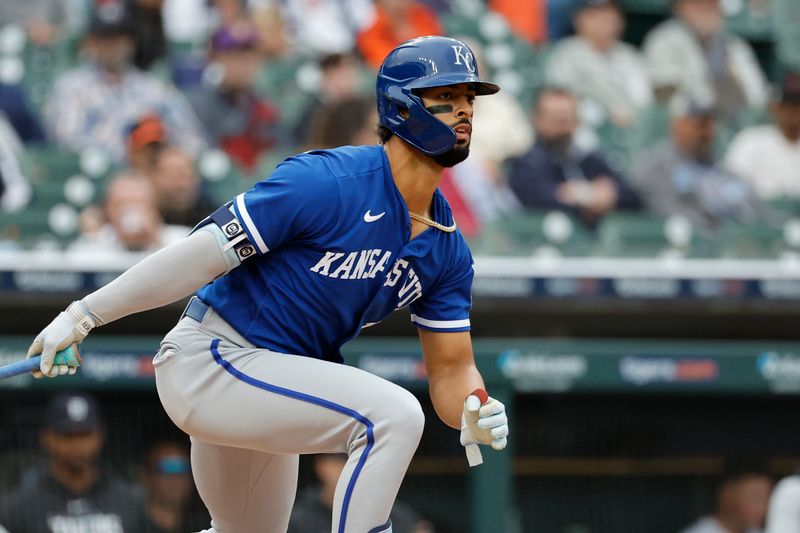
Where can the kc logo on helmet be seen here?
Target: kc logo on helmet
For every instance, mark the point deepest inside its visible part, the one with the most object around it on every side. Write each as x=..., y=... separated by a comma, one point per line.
x=469, y=60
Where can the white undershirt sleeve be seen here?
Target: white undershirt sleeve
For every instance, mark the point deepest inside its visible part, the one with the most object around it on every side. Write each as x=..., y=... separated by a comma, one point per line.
x=164, y=277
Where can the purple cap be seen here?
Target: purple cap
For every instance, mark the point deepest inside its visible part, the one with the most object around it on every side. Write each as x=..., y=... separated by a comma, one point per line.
x=234, y=37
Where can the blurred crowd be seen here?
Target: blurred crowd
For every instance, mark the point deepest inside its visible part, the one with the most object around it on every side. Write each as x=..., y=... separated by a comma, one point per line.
x=189, y=101
x=65, y=486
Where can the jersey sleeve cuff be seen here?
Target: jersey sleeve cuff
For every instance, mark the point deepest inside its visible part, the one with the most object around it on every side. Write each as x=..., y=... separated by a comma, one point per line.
x=240, y=209
x=441, y=325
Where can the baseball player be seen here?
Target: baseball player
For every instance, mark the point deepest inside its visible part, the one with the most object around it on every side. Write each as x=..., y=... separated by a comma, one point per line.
x=288, y=272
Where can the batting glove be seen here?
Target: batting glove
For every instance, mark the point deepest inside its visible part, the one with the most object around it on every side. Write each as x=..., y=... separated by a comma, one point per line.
x=69, y=328
x=484, y=421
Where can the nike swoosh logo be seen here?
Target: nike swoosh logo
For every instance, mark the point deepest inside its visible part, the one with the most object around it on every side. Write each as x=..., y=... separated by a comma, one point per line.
x=372, y=218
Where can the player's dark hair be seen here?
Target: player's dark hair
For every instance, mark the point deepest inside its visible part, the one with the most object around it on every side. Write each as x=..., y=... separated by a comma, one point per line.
x=384, y=134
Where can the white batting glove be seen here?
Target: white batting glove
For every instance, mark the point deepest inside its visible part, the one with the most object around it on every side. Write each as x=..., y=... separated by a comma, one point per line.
x=69, y=328
x=483, y=421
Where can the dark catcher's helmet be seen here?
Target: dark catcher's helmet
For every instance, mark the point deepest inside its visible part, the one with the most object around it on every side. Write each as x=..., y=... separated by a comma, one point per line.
x=419, y=64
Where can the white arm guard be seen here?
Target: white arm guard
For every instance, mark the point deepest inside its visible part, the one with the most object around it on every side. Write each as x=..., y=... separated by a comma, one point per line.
x=164, y=277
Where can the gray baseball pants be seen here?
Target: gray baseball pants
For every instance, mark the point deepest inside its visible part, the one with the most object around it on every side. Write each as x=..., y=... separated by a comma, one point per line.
x=250, y=412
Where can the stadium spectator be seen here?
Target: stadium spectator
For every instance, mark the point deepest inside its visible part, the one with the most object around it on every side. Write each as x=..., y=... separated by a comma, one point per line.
x=741, y=504
x=681, y=175
x=339, y=81
x=234, y=117
x=527, y=18
x=769, y=156
x=559, y=18
x=319, y=27
x=783, y=515
x=694, y=54
x=180, y=198
x=597, y=65
x=502, y=128
x=15, y=107
x=396, y=21
x=349, y=122
x=179, y=194
x=556, y=174
x=147, y=138
x=15, y=191
x=312, y=510
x=273, y=39
x=93, y=105
x=131, y=220
x=168, y=483
x=148, y=32
x=72, y=492
x=41, y=19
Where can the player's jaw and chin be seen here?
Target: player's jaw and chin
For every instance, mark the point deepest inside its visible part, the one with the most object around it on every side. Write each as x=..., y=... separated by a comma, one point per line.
x=455, y=155
x=460, y=150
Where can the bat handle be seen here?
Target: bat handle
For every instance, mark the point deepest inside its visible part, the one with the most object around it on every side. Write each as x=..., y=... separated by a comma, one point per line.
x=20, y=367
x=474, y=457
x=66, y=356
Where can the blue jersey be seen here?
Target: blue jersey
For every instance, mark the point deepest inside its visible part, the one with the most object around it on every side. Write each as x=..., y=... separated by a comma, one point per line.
x=334, y=255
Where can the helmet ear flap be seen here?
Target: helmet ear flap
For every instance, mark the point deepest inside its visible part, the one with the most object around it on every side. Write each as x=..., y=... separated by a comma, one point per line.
x=399, y=105
x=408, y=119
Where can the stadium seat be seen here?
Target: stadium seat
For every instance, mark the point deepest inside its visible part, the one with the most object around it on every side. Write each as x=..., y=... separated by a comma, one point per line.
x=784, y=207
x=750, y=25
x=786, y=27
x=220, y=177
x=536, y=232
x=43, y=65
x=63, y=183
x=645, y=235
x=633, y=235
x=751, y=241
x=288, y=83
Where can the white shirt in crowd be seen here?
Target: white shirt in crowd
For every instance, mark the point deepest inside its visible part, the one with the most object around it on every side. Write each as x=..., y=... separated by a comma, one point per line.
x=617, y=79
x=767, y=160
x=17, y=191
x=321, y=27
x=784, y=507
x=675, y=57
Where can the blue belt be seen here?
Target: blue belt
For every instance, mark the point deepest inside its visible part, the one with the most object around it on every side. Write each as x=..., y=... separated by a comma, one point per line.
x=196, y=309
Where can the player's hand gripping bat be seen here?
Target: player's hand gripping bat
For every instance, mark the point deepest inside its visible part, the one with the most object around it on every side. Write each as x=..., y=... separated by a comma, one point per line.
x=483, y=421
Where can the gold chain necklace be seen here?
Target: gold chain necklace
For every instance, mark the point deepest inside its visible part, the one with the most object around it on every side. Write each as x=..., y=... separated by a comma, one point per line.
x=432, y=223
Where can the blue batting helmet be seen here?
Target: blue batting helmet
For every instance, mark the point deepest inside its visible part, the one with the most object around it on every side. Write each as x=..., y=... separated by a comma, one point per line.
x=418, y=64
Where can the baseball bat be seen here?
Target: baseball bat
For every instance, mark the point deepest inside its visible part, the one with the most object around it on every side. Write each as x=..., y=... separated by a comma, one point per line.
x=29, y=365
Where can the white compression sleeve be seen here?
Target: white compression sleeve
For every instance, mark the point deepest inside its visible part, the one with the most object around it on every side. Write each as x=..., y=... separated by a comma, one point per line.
x=162, y=278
